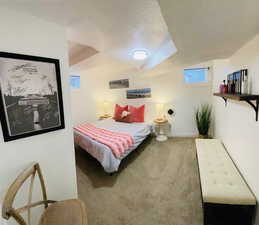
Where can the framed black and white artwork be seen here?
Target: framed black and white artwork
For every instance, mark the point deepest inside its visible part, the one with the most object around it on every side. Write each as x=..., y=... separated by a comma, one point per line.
x=116, y=84
x=30, y=95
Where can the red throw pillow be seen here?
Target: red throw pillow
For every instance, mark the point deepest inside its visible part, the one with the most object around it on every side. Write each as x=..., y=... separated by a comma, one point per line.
x=137, y=113
x=125, y=117
x=118, y=111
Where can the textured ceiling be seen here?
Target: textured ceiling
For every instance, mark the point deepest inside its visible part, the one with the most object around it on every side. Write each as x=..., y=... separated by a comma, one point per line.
x=209, y=29
x=113, y=27
x=202, y=30
x=79, y=52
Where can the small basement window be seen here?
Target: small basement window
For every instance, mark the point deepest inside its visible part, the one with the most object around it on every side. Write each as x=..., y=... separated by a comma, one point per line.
x=196, y=75
x=74, y=81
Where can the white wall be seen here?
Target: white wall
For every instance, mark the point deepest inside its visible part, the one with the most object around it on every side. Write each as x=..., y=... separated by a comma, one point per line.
x=167, y=85
x=82, y=101
x=235, y=124
x=54, y=151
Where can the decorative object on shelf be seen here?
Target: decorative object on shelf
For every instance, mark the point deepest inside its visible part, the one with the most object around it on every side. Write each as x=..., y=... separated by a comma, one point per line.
x=245, y=85
x=244, y=97
x=237, y=83
x=232, y=83
x=139, y=93
x=161, y=133
x=30, y=95
x=116, y=84
x=223, y=88
x=203, y=119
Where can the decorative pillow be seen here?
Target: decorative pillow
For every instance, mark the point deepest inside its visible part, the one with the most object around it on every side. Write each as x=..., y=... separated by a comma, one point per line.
x=118, y=111
x=125, y=117
x=137, y=113
x=124, y=114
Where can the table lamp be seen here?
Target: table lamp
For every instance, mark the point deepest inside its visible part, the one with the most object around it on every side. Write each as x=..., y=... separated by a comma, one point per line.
x=160, y=111
x=106, y=108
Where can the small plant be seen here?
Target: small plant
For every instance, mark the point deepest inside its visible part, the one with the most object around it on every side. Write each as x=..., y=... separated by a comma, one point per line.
x=203, y=119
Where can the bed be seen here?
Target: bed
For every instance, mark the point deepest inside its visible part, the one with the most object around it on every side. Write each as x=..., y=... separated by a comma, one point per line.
x=111, y=163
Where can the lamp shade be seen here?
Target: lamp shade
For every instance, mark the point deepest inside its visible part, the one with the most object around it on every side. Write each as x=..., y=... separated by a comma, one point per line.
x=160, y=110
x=105, y=107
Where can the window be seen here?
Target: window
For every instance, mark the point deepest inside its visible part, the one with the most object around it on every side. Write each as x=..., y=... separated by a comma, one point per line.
x=196, y=75
x=74, y=81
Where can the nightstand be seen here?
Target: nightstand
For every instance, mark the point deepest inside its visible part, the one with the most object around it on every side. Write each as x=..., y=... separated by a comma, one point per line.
x=161, y=123
x=106, y=116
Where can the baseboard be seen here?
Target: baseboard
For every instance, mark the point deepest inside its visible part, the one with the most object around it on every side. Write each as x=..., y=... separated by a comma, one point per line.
x=193, y=135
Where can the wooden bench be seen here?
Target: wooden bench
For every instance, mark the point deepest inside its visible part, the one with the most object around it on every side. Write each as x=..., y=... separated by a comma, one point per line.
x=227, y=199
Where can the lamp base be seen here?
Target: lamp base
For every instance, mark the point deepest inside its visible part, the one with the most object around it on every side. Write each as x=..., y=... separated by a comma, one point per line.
x=161, y=138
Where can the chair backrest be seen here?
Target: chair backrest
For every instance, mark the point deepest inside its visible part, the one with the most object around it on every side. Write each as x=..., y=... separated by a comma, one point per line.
x=9, y=211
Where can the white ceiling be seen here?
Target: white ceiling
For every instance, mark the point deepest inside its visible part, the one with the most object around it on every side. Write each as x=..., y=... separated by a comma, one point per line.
x=209, y=29
x=113, y=27
x=202, y=30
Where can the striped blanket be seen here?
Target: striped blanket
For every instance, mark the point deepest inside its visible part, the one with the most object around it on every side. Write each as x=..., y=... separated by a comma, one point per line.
x=117, y=142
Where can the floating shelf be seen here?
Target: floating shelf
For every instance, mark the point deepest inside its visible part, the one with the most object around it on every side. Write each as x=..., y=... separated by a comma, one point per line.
x=245, y=98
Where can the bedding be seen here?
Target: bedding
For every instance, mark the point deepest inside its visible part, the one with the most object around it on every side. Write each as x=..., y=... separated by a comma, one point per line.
x=117, y=142
x=100, y=151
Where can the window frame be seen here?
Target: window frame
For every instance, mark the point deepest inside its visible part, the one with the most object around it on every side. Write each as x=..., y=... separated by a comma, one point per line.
x=203, y=83
x=70, y=81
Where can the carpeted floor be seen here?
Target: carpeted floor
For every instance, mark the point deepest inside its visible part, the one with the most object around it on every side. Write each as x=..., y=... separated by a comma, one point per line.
x=157, y=185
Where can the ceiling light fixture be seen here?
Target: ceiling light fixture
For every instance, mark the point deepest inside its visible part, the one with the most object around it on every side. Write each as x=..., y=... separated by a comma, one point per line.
x=140, y=54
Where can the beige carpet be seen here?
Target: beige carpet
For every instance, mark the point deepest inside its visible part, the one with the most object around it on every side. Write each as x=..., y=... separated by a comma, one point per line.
x=157, y=185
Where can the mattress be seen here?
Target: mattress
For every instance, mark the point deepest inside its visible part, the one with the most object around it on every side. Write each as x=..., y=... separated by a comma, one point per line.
x=139, y=132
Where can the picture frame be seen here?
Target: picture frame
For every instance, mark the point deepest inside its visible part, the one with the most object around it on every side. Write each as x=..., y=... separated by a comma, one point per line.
x=118, y=84
x=138, y=93
x=31, y=100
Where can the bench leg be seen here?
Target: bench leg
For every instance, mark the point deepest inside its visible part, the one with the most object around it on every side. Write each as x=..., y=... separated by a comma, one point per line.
x=252, y=213
x=205, y=215
x=219, y=214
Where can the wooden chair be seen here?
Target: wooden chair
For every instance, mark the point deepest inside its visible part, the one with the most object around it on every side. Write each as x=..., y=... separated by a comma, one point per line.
x=67, y=212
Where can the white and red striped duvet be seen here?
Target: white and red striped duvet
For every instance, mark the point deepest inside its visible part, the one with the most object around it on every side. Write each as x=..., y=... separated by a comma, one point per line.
x=117, y=142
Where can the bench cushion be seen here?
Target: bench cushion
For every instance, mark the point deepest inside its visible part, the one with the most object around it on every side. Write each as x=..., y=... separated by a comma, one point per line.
x=221, y=182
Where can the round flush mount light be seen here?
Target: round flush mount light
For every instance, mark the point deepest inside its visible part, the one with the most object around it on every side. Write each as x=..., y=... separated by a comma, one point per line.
x=140, y=54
